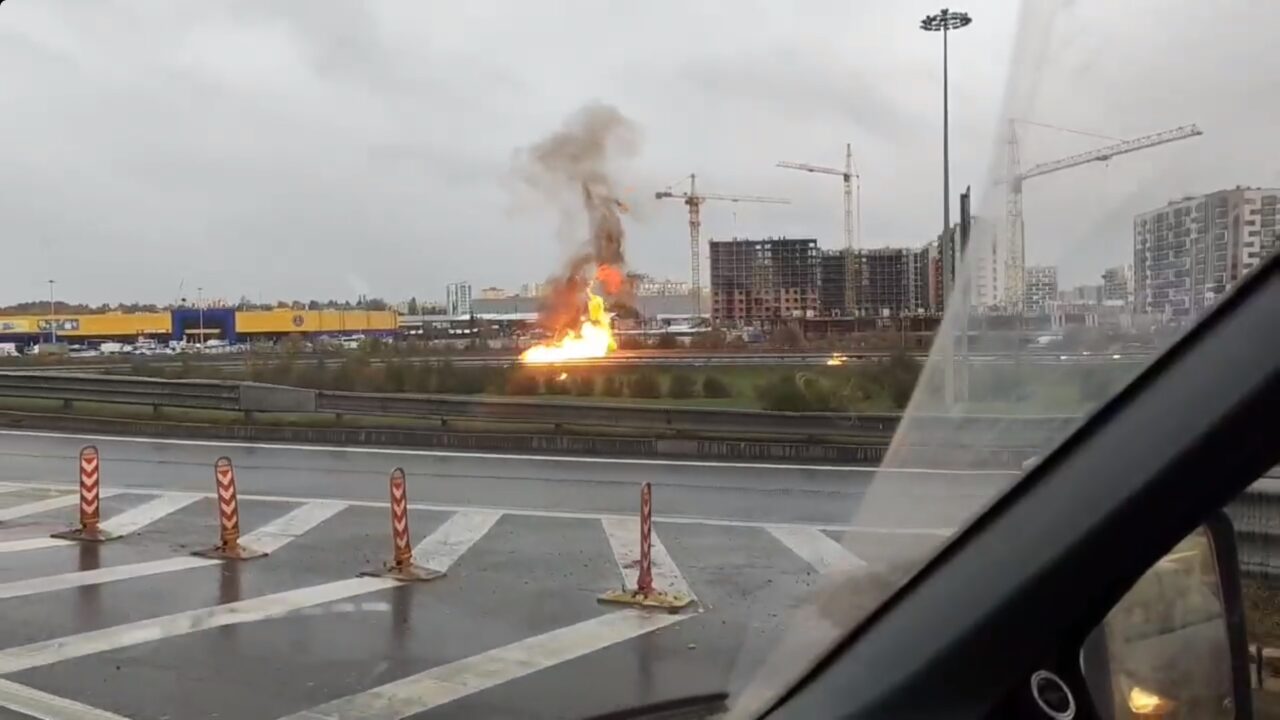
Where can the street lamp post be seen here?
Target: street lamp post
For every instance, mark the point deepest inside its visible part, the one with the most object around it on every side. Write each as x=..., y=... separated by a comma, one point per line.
x=945, y=21
x=53, y=324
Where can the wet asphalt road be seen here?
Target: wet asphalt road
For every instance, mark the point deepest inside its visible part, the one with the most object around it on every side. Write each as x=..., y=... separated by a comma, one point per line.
x=514, y=629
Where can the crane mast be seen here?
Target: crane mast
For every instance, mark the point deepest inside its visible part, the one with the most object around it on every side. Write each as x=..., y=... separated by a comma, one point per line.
x=693, y=200
x=851, y=181
x=1016, y=243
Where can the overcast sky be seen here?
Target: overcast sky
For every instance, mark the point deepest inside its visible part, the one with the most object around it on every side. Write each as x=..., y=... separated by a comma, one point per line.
x=316, y=148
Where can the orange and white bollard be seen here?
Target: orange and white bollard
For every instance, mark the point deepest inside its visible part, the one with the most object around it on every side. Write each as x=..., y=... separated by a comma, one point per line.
x=644, y=593
x=90, y=501
x=229, y=547
x=402, y=566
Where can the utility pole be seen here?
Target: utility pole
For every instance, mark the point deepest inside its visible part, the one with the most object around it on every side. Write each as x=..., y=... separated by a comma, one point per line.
x=53, y=324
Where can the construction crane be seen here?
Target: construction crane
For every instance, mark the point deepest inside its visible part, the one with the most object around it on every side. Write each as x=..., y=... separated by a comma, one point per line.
x=1014, y=261
x=694, y=199
x=851, y=180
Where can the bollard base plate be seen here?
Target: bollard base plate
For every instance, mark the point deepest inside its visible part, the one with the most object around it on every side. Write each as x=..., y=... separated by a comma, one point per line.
x=230, y=552
x=653, y=599
x=405, y=573
x=86, y=534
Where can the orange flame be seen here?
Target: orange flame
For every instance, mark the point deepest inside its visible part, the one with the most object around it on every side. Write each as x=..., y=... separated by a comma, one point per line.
x=592, y=339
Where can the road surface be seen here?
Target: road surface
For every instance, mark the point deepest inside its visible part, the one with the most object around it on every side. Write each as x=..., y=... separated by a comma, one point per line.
x=140, y=628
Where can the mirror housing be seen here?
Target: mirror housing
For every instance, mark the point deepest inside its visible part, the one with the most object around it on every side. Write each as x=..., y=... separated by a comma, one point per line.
x=1175, y=645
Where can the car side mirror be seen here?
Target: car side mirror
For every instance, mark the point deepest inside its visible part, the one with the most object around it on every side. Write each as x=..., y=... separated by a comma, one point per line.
x=1175, y=644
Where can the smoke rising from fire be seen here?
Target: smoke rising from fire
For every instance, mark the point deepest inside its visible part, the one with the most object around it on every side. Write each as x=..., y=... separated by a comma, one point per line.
x=570, y=168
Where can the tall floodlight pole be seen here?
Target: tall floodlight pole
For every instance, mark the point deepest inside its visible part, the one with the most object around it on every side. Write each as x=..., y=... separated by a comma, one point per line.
x=945, y=21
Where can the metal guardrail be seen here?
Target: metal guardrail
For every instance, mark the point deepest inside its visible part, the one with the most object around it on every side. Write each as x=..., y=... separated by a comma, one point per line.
x=248, y=397
x=1256, y=517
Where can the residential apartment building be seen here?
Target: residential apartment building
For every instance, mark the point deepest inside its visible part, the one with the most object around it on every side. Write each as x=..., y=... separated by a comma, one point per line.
x=1039, y=289
x=648, y=287
x=758, y=281
x=457, y=299
x=1081, y=295
x=494, y=293
x=1190, y=252
x=1117, y=285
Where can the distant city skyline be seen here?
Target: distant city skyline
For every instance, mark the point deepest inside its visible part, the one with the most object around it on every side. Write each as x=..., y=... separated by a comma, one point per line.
x=333, y=149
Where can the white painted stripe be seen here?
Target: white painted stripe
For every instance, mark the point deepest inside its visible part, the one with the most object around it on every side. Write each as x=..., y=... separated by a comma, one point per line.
x=443, y=547
x=40, y=704
x=437, y=686
x=35, y=543
x=815, y=548
x=277, y=533
x=39, y=506
x=9, y=488
x=533, y=512
x=49, y=583
x=506, y=456
x=136, y=633
x=624, y=538
x=134, y=519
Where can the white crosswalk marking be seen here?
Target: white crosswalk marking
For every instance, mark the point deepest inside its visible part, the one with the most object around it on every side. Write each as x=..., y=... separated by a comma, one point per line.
x=439, y=685
x=815, y=548
x=444, y=546
x=39, y=506
x=167, y=626
x=624, y=538
x=277, y=533
x=35, y=543
x=134, y=519
x=48, y=583
x=39, y=704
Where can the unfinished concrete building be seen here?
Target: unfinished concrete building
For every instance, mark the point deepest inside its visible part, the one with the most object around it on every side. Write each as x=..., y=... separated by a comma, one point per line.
x=889, y=282
x=759, y=282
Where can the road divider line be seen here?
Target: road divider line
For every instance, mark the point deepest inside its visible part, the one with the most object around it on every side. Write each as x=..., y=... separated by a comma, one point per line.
x=265, y=607
x=441, y=549
x=534, y=512
x=624, y=538
x=499, y=456
x=134, y=519
x=43, y=705
x=281, y=531
x=815, y=548
x=39, y=506
x=437, y=686
x=49, y=583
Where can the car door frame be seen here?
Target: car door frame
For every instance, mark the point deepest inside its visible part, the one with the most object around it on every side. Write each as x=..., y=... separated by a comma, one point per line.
x=1049, y=558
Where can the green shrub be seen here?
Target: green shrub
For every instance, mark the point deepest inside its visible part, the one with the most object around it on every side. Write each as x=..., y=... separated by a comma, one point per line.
x=645, y=385
x=612, y=386
x=556, y=383
x=714, y=387
x=584, y=385
x=682, y=386
x=666, y=341
x=523, y=382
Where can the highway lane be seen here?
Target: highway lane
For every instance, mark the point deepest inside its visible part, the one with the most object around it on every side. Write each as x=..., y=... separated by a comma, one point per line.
x=141, y=629
x=822, y=495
